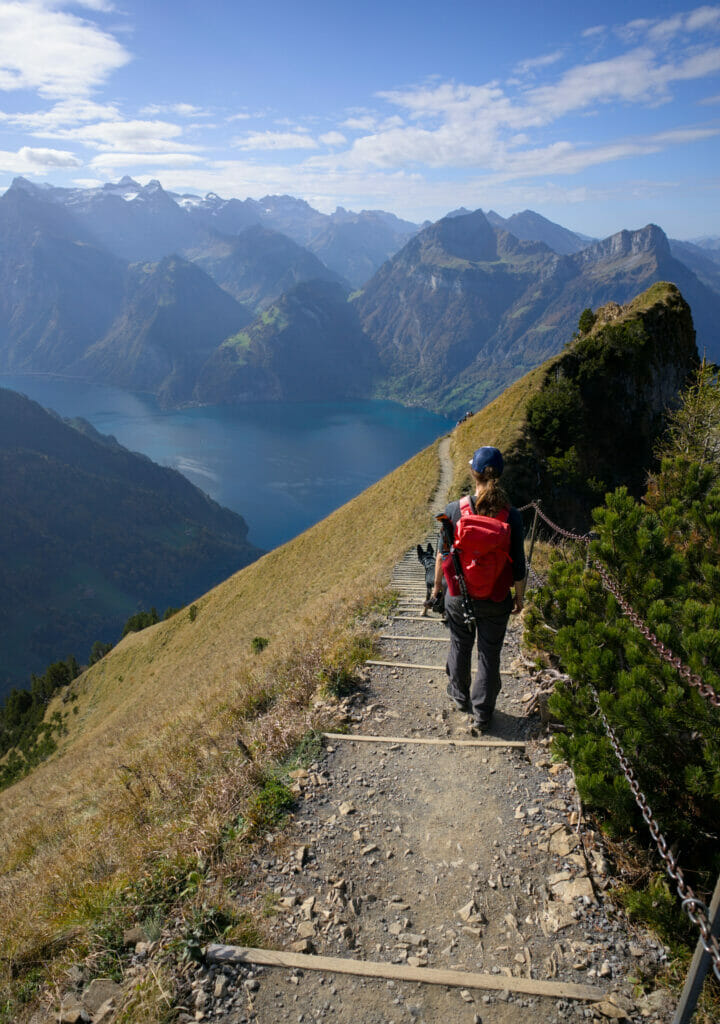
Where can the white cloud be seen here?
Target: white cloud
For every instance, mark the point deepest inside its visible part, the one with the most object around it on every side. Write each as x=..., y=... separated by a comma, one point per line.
x=115, y=159
x=333, y=139
x=363, y=123
x=180, y=109
x=102, y=6
x=662, y=30
x=53, y=52
x=29, y=161
x=702, y=18
x=50, y=157
x=534, y=63
x=63, y=115
x=127, y=136
x=275, y=140
x=594, y=30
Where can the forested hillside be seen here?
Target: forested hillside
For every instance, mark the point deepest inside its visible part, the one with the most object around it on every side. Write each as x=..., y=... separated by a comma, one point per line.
x=92, y=532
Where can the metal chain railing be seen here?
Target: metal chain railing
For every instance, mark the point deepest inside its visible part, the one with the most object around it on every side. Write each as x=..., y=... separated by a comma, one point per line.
x=692, y=678
x=586, y=537
x=667, y=655
x=695, y=909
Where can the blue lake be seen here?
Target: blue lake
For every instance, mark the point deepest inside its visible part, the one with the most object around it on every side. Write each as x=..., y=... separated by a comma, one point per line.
x=283, y=467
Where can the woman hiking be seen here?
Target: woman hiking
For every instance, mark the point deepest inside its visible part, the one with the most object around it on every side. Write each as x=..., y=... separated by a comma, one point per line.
x=488, y=534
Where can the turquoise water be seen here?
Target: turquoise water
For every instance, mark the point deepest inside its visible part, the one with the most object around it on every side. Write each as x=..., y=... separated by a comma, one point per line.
x=283, y=467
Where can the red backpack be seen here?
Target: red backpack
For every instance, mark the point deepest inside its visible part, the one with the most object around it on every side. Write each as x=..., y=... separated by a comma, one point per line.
x=483, y=543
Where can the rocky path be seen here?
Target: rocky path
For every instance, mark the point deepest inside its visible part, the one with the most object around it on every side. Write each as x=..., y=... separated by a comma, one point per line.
x=435, y=856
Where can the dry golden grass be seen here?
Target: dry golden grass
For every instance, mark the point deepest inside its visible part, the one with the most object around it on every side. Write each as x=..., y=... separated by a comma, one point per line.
x=151, y=767
x=500, y=424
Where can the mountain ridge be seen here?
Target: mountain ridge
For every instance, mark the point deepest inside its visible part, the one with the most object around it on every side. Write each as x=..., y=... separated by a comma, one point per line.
x=524, y=301
x=91, y=531
x=462, y=308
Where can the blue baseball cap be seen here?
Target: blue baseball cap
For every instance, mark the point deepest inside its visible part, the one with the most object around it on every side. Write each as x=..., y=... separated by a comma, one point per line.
x=485, y=457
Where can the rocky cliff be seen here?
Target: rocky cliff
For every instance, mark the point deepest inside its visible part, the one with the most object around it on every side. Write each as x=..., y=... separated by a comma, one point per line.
x=588, y=419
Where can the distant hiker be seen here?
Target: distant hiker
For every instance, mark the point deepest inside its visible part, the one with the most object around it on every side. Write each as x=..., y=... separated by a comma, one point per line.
x=488, y=536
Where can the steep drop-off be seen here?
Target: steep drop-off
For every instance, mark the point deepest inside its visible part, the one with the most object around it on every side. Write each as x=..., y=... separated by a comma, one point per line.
x=587, y=420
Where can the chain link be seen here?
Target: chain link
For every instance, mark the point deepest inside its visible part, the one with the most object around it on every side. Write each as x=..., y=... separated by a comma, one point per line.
x=695, y=909
x=585, y=537
x=662, y=649
x=691, y=678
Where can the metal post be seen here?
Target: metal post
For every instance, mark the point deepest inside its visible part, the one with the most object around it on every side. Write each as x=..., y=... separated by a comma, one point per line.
x=532, y=542
x=699, y=966
x=591, y=537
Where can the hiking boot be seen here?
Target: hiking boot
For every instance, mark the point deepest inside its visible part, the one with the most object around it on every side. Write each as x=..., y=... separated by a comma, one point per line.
x=481, y=724
x=461, y=705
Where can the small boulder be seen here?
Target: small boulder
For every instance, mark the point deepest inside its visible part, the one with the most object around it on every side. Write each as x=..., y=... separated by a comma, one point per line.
x=131, y=936
x=98, y=992
x=72, y=1011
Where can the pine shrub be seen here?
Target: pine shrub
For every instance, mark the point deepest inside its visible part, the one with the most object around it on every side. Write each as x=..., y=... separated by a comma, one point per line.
x=664, y=554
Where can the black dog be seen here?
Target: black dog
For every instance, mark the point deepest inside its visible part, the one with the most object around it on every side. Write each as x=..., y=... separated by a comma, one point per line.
x=427, y=560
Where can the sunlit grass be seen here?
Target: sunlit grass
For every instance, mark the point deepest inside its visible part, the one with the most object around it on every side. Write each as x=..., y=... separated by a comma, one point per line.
x=153, y=780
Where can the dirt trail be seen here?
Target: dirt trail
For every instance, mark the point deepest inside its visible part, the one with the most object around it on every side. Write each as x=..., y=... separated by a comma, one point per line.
x=471, y=858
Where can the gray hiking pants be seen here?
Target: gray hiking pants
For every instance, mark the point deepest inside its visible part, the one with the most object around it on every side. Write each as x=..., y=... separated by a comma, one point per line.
x=492, y=619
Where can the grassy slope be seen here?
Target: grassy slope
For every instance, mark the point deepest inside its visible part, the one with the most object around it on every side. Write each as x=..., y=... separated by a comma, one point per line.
x=168, y=703
x=500, y=424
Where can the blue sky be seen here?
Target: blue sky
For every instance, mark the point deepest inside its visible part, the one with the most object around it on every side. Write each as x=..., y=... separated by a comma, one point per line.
x=597, y=116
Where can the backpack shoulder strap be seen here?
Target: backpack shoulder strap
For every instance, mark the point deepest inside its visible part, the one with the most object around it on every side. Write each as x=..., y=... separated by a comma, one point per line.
x=466, y=508
x=504, y=514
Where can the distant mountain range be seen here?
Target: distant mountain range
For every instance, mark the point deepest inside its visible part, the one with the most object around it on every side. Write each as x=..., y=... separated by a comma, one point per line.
x=212, y=300
x=91, y=533
x=146, y=223
x=466, y=308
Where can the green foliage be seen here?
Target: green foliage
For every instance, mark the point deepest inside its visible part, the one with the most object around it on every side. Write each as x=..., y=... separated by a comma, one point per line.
x=586, y=321
x=694, y=428
x=98, y=651
x=193, y=612
x=665, y=556
x=268, y=807
x=339, y=676
x=206, y=923
x=657, y=906
x=308, y=750
x=258, y=644
x=555, y=416
x=594, y=424
x=24, y=735
x=141, y=620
